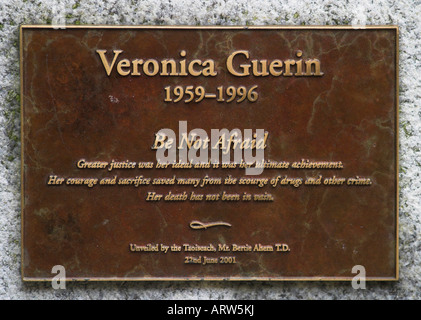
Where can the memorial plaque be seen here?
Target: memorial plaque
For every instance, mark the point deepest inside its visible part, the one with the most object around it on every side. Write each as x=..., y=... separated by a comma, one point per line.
x=209, y=153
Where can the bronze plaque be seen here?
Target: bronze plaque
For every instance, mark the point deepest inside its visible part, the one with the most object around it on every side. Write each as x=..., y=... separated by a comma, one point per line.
x=130, y=168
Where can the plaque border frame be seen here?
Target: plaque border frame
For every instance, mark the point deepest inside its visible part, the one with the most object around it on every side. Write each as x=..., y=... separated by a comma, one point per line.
x=187, y=27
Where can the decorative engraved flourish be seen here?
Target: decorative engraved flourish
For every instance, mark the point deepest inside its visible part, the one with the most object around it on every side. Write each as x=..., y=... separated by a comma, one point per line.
x=202, y=225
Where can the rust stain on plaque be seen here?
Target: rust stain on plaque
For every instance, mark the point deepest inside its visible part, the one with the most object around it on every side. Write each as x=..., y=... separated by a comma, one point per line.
x=320, y=229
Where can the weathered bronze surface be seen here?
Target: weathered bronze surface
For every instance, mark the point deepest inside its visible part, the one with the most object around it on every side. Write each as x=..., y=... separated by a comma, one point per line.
x=72, y=110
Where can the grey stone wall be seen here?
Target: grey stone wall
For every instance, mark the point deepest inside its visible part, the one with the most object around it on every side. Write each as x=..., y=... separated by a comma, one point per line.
x=405, y=13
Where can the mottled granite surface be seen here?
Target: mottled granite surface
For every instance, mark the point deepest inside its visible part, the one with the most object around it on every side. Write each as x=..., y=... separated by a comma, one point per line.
x=317, y=12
